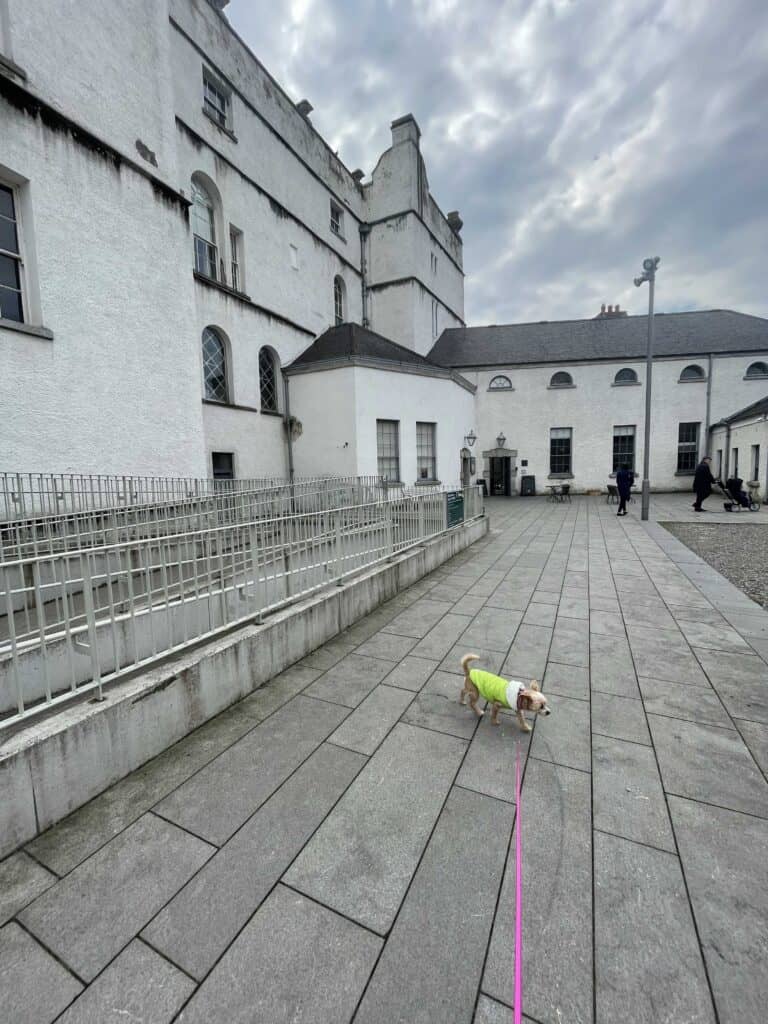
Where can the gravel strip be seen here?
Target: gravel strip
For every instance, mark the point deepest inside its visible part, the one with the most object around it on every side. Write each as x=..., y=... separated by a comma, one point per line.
x=739, y=551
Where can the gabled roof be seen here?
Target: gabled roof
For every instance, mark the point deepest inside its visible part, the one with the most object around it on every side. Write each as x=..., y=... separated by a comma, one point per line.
x=758, y=408
x=718, y=331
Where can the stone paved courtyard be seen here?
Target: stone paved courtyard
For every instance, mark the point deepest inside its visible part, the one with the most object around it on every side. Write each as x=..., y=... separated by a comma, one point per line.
x=336, y=847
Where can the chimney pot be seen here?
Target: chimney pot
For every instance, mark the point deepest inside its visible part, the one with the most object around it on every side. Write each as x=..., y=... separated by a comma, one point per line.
x=617, y=307
x=455, y=223
x=358, y=175
x=602, y=308
x=305, y=108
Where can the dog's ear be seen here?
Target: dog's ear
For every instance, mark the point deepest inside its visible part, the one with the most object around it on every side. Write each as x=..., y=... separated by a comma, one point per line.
x=534, y=685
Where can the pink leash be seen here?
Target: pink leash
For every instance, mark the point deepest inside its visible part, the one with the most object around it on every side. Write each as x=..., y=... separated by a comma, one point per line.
x=518, y=1007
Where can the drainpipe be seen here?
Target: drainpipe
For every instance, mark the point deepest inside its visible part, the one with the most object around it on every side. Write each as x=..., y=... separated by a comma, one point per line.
x=727, y=451
x=365, y=233
x=287, y=422
x=709, y=401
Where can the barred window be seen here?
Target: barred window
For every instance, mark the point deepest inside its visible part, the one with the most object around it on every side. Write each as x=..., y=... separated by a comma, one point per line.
x=11, y=305
x=560, y=450
x=268, y=380
x=388, y=449
x=561, y=379
x=687, y=447
x=625, y=376
x=215, y=366
x=757, y=370
x=500, y=383
x=204, y=232
x=693, y=372
x=426, y=458
x=623, y=448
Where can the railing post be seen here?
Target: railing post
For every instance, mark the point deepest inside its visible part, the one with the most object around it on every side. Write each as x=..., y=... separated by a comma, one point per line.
x=90, y=618
x=339, y=551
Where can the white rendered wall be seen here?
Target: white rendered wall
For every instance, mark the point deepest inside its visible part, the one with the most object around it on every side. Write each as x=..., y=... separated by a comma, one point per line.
x=742, y=437
x=324, y=403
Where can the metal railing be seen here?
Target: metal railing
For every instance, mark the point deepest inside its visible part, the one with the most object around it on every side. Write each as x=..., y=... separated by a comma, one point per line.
x=72, y=620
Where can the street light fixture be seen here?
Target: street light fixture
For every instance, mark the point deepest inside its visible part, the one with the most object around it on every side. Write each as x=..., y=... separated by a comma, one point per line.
x=470, y=439
x=501, y=440
x=650, y=267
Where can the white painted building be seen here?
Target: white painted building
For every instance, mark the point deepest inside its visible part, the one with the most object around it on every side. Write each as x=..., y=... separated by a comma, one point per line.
x=175, y=233
x=739, y=444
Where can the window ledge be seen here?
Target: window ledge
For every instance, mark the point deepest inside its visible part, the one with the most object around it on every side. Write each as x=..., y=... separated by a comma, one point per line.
x=36, y=332
x=229, y=405
x=495, y=391
x=560, y=476
x=425, y=483
x=692, y=380
x=204, y=279
x=755, y=376
x=227, y=131
x=560, y=387
x=6, y=64
x=685, y=472
x=272, y=412
x=626, y=384
x=337, y=234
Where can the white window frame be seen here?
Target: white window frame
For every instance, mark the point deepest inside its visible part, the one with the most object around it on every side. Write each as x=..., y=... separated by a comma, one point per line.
x=435, y=306
x=212, y=249
x=212, y=110
x=506, y=386
x=384, y=458
x=17, y=256
x=686, y=447
x=426, y=452
x=339, y=297
x=617, y=459
x=337, y=220
x=559, y=434
x=236, y=265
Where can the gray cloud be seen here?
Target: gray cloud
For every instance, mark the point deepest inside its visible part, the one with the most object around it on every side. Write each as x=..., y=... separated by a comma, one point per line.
x=575, y=136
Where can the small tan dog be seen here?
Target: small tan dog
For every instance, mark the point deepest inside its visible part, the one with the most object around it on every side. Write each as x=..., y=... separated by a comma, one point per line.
x=501, y=693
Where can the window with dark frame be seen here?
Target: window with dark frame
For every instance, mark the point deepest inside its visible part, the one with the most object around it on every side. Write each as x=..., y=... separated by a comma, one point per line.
x=560, y=439
x=757, y=370
x=215, y=367
x=500, y=383
x=204, y=232
x=735, y=462
x=426, y=457
x=755, y=471
x=687, y=447
x=561, y=379
x=337, y=219
x=623, y=448
x=625, y=376
x=215, y=100
x=268, y=380
x=223, y=464
x=11, y=302
x=388, y=449
x=693, y=372
x=719, y=463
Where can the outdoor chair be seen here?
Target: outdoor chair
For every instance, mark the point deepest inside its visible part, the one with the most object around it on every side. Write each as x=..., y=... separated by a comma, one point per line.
x=565, y=493
x=613, y=495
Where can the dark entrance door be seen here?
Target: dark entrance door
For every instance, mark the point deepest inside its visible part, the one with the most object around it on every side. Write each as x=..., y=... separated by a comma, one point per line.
x=501, y=475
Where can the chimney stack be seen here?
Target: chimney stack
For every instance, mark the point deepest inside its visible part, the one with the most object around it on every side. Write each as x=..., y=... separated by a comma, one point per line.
x=610, y=313
x=358, y=175
x=455, y=223
x=305, y=108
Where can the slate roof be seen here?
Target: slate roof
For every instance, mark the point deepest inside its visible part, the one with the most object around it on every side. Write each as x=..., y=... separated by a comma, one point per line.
x=350, y=341
x=622, y=338
x=758, y=408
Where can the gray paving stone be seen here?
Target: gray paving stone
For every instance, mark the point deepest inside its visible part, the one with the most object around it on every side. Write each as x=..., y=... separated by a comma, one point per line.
x=490, y=660
x=540, y=614
x=419, y=618
x=492, y=628
x=611, y=667
x=718, y=638
x=627, y=793
x=676, y=701
x=215, y=802
x=726, y=869
x=139, y=987
x=34, y=988
x=367, y=726
x=566, y=680
x=549, y=597
x=411, y=673
x=489, y=764
x=563, y=736
x=741, y=680
x=640, y=637
x=755, y=735
x=21, y=881
x=329, y=654
x=362, y=858
x=510, y=599
x=437, y=707
x=705, y=763
x=647, y=958
x=87, y=917
x=468, y=605
x=660, y=661
x=749, y=624
x=388, y=646
x=600, y=603
x=201, y=921
x=570, y=642
x=415, y=980
x=442, y=637
x=527, y=657
x=258, y=981
x=607, y=623
x=491, y=1012
x=574, y=608
x=557, y=901
x=640, y=613
x=350, y=681
x=620, y=717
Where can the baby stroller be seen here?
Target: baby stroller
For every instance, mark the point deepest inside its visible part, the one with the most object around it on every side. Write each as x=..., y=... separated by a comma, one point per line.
x=738, y=498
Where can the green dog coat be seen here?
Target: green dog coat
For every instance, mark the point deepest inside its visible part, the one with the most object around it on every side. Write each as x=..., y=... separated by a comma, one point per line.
x=495, y=689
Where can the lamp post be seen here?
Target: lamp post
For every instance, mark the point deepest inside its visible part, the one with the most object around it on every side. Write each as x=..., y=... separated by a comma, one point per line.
x=501, y=440
x=649, y=274
x=470, y=439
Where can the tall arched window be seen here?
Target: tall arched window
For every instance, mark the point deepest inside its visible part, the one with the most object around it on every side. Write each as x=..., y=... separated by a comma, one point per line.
x=204, y=231
x=625, y=376
x=268, y=380
x=215, y=366
x=500, y=383
x=339, y=297
x=757, y=370
x=561, y=379
x=693, y=372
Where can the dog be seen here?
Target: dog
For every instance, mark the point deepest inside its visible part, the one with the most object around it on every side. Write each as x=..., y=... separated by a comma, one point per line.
x=501, y=693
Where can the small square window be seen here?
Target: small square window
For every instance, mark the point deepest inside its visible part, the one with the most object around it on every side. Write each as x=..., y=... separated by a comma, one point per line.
x=337, y=220
x=216, y=101
x=223, y=465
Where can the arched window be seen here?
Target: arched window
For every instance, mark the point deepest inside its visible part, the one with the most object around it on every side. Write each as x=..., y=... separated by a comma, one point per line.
x=500, y=383
x=268, y=377
x=204, y=231
x=215, y=366
x=693, y=372
x=757, y=370
x=561, y=379
x=625, y=376
x=339, y=300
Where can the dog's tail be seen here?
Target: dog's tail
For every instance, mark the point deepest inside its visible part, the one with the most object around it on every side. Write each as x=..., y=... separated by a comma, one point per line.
x=466, y=660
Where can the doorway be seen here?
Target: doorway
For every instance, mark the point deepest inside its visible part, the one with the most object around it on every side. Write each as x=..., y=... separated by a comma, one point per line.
x=501, y=476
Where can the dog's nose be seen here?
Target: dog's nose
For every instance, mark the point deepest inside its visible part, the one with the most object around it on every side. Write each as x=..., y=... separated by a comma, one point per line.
x=547, y=711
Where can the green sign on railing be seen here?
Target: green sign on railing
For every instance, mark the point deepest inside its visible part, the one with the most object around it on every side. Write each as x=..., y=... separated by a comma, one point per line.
x=454, y=503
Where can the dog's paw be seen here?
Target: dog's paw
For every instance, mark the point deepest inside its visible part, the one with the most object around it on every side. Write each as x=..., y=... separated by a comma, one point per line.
x=525, y=727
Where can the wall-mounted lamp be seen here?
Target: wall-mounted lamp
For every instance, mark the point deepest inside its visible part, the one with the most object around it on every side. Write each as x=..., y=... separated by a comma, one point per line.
x=501, y=440
x=470, y=439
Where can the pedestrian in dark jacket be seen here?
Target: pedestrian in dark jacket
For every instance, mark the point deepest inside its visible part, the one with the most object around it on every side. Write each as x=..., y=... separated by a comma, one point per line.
x=702, y=483
x=624, y=480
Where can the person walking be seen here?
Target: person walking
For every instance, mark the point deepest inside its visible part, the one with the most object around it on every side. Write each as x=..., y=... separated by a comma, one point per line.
x=702, y=483
x=624, y=480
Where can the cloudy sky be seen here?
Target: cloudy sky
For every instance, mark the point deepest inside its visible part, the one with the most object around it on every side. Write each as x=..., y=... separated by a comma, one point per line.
x=574, y=136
